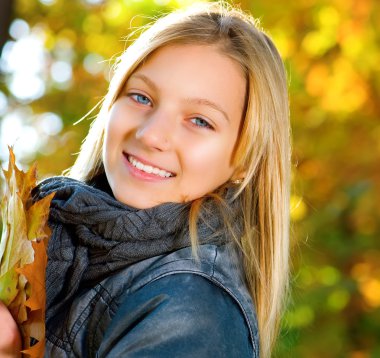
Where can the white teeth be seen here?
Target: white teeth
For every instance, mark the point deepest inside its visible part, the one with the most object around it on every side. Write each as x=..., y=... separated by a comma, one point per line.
x=148, y=169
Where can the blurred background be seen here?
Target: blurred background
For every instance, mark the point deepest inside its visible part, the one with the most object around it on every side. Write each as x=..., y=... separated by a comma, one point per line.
x=55, y=66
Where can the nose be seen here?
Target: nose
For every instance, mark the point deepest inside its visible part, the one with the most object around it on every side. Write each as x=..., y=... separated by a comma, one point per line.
x=155, y=132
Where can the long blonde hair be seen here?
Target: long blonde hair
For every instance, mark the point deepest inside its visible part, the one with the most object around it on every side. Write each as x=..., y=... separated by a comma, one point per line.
x=263, y=149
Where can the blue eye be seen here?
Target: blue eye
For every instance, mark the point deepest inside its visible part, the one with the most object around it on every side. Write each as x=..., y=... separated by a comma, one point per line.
x=200, y=122
x=139, y=98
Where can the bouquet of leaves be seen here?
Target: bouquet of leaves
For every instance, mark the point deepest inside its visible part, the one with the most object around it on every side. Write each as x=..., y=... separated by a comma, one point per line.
x=23, y=256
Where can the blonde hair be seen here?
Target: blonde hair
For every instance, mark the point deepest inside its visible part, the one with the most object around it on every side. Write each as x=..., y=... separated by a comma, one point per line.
x=263, y=149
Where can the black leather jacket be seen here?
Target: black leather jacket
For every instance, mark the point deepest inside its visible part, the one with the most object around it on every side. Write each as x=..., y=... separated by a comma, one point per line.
x=166, y=306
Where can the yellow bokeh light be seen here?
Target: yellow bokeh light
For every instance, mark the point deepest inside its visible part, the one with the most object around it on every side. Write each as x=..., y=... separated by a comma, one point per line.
x=98, y=43
x=370, y=289
x=112, y=10
x=68, y=34
x=184, y=3
x=340, y=88
x=316, y=79
x=352, y=46
x=316, y=43
x=298, y=208
x=346, y=90
x=328, y=16
x=115, y=13
x=162, y=2
x=49, y=39
x=92, y=24
x=284, y=43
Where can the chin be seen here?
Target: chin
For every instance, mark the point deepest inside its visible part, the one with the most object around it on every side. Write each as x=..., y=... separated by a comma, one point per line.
x=134, y=202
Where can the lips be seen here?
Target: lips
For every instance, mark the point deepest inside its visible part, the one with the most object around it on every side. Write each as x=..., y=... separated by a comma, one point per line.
x=147, y=167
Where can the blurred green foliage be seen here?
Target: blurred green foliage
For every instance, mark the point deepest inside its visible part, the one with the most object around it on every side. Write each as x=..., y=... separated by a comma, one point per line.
x=330, y=49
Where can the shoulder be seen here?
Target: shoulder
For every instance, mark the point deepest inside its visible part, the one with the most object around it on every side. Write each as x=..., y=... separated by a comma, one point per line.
x=194, y=298
x=179, y=314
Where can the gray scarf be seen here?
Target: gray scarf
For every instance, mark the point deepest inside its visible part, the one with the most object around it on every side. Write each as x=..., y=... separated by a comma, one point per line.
x=94, y=235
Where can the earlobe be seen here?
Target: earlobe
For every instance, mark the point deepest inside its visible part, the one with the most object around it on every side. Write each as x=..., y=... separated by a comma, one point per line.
x=237, y=181
x=239, y=176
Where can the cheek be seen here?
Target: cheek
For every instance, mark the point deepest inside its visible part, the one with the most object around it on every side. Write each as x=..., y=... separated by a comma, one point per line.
x=210, y=161
x=107, y=142
x=115, y=129
x=112, y=137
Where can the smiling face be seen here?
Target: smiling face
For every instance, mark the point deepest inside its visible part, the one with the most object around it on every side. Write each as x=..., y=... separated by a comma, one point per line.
x=171, y=133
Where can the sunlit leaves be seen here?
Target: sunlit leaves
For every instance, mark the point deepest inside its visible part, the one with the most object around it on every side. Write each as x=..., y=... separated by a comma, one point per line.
x=347, y=90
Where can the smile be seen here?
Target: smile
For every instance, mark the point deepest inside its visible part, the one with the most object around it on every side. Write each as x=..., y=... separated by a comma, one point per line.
x=148, y=168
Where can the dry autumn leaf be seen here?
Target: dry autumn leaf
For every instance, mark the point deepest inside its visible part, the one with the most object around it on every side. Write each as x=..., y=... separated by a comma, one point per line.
x=23, y=256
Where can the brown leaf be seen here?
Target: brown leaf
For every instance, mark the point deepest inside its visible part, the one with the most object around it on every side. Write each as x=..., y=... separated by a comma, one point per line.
x=35, y=275
x=36, y=351
x=37, y=216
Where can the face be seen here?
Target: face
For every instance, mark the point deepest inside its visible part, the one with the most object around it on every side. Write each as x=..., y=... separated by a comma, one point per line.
x=171, y=133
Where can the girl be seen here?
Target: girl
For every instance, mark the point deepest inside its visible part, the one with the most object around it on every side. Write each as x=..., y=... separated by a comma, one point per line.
x=170, y=232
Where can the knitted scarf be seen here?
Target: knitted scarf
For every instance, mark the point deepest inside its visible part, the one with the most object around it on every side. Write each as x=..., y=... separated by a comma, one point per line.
x=94, y=235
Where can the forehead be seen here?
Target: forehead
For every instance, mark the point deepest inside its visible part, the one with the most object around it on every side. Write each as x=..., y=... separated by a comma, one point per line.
x=196, y=70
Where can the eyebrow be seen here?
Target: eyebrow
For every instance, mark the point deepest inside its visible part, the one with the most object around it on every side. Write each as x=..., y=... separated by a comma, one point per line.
x=198, y=101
